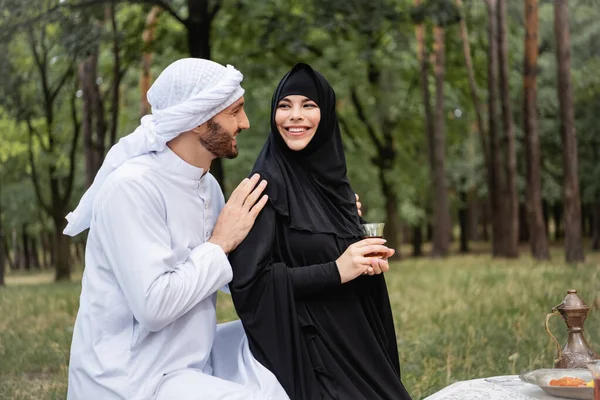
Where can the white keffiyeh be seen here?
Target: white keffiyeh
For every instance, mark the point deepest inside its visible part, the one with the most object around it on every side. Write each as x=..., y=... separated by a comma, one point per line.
x=187, y=93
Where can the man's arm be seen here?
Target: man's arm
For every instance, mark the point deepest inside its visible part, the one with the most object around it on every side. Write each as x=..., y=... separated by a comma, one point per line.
x=131, y=226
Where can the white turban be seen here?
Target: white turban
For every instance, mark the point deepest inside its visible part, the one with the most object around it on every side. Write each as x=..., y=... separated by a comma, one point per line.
x=186, y=94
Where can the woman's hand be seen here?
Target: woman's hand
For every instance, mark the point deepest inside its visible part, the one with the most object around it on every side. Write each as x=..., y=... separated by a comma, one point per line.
x=354, y=262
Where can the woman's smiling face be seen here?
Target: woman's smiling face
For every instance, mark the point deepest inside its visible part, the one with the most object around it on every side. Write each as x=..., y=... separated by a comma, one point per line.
x=297, y=118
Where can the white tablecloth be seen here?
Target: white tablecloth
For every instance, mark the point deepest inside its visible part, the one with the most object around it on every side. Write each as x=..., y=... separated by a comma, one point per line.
x=508, y=387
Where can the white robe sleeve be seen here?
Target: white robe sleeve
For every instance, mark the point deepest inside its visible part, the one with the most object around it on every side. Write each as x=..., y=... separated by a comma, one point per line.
x=130, y=222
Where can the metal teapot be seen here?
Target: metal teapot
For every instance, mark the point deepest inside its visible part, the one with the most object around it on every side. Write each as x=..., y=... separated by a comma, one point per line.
x=577, y=352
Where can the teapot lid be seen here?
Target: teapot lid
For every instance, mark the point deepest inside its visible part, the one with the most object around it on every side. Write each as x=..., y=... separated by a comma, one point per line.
x=572, y=302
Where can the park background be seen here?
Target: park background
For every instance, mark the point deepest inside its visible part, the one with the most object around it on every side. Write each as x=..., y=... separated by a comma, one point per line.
x=469, y=127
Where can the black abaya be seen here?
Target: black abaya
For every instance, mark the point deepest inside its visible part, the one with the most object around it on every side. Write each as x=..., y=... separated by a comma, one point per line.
x=322, y=339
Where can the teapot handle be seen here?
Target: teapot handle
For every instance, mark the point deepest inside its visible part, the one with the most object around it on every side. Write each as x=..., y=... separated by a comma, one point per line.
x=559, y=350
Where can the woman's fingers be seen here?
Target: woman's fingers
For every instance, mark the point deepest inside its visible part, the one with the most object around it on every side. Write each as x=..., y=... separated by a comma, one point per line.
x=374, y=250
x=367, y=242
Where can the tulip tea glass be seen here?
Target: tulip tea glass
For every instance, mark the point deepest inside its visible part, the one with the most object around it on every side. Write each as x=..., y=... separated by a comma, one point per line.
x=371, y=231
x=594, y=367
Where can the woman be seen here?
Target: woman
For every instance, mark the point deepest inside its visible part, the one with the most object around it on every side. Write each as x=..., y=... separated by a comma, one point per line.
x=302, y=286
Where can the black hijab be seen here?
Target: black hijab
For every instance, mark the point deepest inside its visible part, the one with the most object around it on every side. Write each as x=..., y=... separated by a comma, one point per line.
x=310, y=186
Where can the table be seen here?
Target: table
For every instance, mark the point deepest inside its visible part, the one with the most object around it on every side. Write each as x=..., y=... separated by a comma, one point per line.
x=508, y=387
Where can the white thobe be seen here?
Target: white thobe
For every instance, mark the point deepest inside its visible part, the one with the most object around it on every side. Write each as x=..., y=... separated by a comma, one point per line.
x=146, y=325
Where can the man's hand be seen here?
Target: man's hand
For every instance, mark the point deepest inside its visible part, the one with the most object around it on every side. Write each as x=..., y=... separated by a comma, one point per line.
x=238, y=215
x=358, y=205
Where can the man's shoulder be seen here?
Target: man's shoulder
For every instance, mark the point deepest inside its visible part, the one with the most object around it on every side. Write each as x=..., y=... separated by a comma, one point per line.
x=135, y=178
x=134, y=172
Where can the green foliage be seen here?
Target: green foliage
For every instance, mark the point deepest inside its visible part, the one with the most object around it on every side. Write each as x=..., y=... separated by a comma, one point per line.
x=359, y=45
x=441, y=12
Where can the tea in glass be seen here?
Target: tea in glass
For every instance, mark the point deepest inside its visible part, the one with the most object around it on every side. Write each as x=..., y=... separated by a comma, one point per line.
x=373, y=231
x=594, y=367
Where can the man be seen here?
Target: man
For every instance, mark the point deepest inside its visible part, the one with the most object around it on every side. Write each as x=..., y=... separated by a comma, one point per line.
x=156, y=253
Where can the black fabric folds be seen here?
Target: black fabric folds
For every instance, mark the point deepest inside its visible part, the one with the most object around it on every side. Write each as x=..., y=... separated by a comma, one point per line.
x=323, y=340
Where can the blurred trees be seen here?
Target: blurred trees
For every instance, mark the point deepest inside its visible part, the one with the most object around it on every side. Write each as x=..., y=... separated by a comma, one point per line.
x=425, y=93
x=535, y=218
x=572, y=203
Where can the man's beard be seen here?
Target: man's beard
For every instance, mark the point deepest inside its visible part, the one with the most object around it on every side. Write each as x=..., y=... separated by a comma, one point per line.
x=218, y=141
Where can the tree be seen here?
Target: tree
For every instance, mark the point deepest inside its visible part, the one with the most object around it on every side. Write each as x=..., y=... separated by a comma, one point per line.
x=496, y=184
x=441, y=221
x=97, y=126
x=2, y=261
x=571, y=196
x=538, y=239
x=511, y=240
x=464, y=35
x=442, y=14
x=147, y=38
x=424, y=78
x=39, y=91
x=198, y=26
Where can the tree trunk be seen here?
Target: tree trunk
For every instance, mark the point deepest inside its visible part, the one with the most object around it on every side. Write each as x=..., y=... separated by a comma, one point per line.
x=590, y=220
x=2, y=263
x=463, y=219
x=391, y=211
x=464, y=35
x=81, y=247
x=512, y=196
x=62, y=244
x=405, y=234
x=2, y=258
x=147, y=55
x=485, y=221
x=538, y=232
x=572, y=204
x=117, y=75
x=94, y=122
x=199, y=25
x=546, y=214
x=6, y=249
x=25, y=248
x=417, y=241
x=498, y=210
x=34, y=253
x=441, y=213
x=557, y=215
x=16, y=250
x=523, y=224
x=79, y=253
x=47, y=249
x=473, y=217
x=426, y=95
x=596, y=226
x=87, y=119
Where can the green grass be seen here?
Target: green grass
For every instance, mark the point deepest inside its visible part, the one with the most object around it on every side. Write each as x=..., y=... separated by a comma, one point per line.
x=456, y=319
